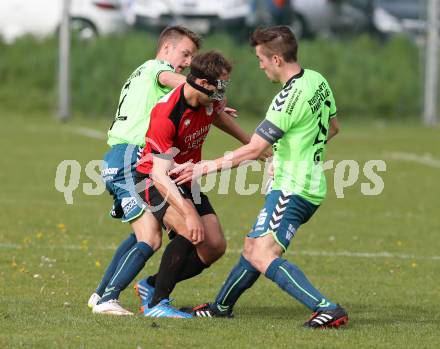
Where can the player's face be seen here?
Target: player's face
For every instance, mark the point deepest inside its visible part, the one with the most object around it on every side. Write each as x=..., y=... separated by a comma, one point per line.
x=204, y=99
x=266, y=63
x=181, y=54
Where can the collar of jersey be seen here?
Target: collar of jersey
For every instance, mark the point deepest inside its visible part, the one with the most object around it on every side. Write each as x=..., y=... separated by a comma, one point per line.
x=167, y=63
x=296, y=76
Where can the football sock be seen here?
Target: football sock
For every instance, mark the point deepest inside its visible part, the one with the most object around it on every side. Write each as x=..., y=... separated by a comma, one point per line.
x=128, y=267
x=242, y=277
x=193, y=267
x=292, y=280
x=123, y=248
x=173, y=260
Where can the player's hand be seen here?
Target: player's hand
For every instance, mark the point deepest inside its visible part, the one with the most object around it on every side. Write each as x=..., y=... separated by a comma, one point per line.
x=231, y=111
x=190, y=174
x=187, y=175
x=266, y=155
x=180, y=167
x=184, y=173
x=221, y=107
x=195, y=228
x=270, y=170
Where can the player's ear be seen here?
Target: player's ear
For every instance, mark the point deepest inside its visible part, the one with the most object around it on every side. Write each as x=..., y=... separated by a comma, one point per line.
x=166, y=47
x=277, y=60
x=203, y=82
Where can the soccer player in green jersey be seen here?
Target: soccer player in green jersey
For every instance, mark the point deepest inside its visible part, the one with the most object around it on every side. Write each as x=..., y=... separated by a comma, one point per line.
x=126, y=137
x=299, y=122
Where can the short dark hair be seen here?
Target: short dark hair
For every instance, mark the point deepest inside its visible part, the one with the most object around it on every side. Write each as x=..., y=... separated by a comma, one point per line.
x=211, y=64
x=276, y=40
x=178, y=32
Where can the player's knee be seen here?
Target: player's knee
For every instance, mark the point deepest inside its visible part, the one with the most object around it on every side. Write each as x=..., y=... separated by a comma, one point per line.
x=213, y=252
x=247, y=249
x=156, y=242
x=152, y=238
x=249, y=252
x=220, y=247
x=256, y=261
x=254, y=255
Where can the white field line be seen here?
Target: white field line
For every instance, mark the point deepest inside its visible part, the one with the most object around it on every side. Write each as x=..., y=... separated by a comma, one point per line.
x=89, y=132
x=425, y=159
x=350, y=254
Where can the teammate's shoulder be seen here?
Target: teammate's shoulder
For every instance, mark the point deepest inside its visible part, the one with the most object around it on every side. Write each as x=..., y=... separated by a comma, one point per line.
x=171, y=97
x=310, y=73
x=160, y=63
x=315, y=75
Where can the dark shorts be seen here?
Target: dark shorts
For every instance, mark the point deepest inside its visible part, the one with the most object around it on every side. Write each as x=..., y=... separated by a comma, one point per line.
x=158, y=205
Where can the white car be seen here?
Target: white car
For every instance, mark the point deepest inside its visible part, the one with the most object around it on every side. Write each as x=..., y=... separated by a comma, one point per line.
x=198, y=15
x=400, y=16
x=324, y=17
x=42, y=18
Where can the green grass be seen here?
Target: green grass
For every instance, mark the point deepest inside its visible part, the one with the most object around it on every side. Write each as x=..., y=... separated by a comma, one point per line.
x=52, y=255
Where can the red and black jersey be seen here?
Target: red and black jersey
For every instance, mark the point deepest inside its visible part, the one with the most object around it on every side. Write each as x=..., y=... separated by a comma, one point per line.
x=176, y=124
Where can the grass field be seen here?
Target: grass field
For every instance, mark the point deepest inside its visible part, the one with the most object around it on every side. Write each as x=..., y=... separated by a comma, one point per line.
x=379, y=256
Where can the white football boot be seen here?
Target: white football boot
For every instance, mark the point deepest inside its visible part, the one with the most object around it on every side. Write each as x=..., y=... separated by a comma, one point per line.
x=111, y=307
x=93, y=300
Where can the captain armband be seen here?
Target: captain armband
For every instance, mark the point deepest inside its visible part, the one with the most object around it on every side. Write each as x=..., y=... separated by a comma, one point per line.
x=269, y=132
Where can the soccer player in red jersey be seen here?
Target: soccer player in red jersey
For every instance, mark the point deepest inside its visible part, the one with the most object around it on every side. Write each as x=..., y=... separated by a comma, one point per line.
x=178, y=127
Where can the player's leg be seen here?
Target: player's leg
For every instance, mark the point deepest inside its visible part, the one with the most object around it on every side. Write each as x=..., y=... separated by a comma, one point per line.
x=148, y=239
x=264, y=252
x=198, y=258
x=114, y=178
x=242, y=276
x=174, y=257
x=148, y=234
x=208, y=251
x=155, y=301
x=121, y=250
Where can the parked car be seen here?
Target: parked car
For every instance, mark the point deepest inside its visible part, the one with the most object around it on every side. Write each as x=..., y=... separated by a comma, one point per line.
x=97, y=17
x=399, y=16
x=327, y=17
x=43, y=17
x=199, y=15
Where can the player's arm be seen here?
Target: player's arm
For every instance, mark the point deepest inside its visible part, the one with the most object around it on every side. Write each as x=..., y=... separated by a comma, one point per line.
x=161, y=165
x=227, y=124
x=251, y=151
x=333, y=128
x=171, y=79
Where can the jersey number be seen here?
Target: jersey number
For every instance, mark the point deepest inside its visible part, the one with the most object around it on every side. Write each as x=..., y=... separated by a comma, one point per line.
x=118, y=114
x=321, y=136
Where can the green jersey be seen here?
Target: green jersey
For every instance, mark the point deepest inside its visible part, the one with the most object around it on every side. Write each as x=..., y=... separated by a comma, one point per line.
x=138, y=96
x=297, y=124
